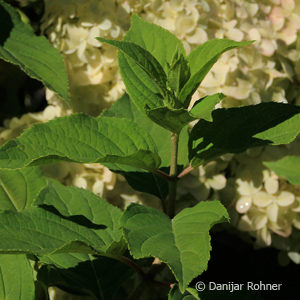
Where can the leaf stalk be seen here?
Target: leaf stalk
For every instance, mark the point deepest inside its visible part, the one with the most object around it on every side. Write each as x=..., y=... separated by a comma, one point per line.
x=173, y=174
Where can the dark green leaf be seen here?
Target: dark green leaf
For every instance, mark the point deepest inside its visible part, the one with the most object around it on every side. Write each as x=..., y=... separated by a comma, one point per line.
x=179, y=73
x=34, y=55
x=234, y=130
x=147, y=183
x=144, y=59
x=99, y=277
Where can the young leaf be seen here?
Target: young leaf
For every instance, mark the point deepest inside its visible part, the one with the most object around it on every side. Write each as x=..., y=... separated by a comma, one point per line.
x=81, y=138
x=161, y=43
x=99, y=277
x=39, y=232
x=19, y=188
x=288, y=167
x=234, y=130
x=204, y=107
x=144, y=59
x=16, y=278
x=183, y=243
x=139, y=85
x=72, y=201
x=201, y=60
x=34, y=55
x=179, y=73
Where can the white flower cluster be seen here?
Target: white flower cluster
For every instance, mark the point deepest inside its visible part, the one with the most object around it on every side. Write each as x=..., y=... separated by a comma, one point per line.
x=201, y=181
x=266, y=204
x=72, y=27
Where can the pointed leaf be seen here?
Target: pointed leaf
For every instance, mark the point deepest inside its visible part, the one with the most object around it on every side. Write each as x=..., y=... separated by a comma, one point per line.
x=201, y=60
x=183, y=243
x=37, y=231
x=179, y=73
x=139, y=85
x=203, y=108
x=19, y=188
x=16, y=278
x=99, y=277
x=81, y=138
x=161, y=43
x=234, y=130
x=288, y=167
x=33, y=54
x=144, y=59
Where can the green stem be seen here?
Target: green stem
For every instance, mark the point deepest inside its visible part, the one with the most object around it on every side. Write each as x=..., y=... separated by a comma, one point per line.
x=173, y=174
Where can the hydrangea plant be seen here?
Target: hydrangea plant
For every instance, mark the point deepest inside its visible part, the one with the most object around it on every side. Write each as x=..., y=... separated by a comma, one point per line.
x=53, y=234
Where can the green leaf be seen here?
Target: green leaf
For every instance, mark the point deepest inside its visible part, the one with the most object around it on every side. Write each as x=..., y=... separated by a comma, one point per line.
x=179, y=73
x=288, y=167
x=19, y=188
x=144, y=59
x=201, y=60
x=139, y=85
x=39, y=232
x=147, y=183
x=183, y=242
x=84, y=139
x=161, y=43
x=99, y=277
x=16, y=278
x=33, y=54
x=171, y=119
x=189, y=294
x=203, y=108
x=126, y=109
x=76, y=202
x=234, y=130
